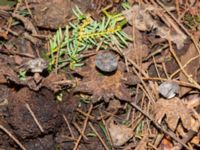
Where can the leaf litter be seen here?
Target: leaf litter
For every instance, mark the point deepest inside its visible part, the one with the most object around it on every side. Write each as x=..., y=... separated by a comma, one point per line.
x=102, y=86
x=173, y=113
x=117, y=93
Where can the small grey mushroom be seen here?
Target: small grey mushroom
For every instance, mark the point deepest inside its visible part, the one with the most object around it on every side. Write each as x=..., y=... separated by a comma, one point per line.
x=36, y=65
x=106, y=61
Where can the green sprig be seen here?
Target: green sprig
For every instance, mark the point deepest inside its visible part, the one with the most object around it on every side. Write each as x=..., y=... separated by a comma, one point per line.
x=85, y=33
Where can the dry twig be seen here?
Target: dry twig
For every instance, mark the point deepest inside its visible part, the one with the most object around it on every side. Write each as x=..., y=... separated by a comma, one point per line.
x=34, y=118
x=68, y=125
x=84, y=127
x=79, y=130
x=101, y=140
x=12, y=137
x=85, y=114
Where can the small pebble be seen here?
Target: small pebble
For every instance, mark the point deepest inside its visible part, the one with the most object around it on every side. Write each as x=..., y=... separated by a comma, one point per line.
x=169, y=89
x=106, y=61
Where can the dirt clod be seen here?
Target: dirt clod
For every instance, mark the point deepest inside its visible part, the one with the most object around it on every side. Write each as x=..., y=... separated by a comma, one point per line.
x=44, y=108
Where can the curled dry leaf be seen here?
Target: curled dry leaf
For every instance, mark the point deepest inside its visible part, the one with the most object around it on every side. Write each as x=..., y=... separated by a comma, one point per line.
x=102, y=86
x=120, y=134
x=174, y=110
x=140, y=17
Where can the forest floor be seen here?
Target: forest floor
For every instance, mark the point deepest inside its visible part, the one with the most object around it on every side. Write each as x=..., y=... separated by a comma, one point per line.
x=99, y=74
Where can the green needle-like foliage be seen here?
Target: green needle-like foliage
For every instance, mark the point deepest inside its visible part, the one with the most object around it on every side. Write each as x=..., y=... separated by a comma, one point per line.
x=85, y=33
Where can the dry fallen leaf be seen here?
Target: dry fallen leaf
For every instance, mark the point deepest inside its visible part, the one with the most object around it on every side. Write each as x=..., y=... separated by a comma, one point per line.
x=49, y=82
x=114, y=105
x=140, y=51
x=191, y=68
x=140, y=17
x=120, y=134
x=174, y=110
x=45, y=12
x=101, y=85
x=193, y=101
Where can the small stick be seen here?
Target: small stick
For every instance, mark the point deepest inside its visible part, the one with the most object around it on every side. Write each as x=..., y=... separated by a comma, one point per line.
x=101, y=140
x=12, y=137
x=64, y=82
x=79, y=130
x=69, y=138
x=156, y=67
x=11, y=31
x=67, y=123
x=11, y=19
x=186, y=84
x=84, y=128
x=34, y=118
x=27, y=6
x=178, y=8
x=16, y=53
x=85, y=114
x=165, y=70
x=109, y=138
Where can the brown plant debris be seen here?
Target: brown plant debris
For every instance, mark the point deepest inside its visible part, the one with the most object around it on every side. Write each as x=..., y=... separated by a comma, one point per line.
x=101, y=86
x=191, y=68
x=174, y=109
x=119, y=133
x=141, y=18
x=46, y=12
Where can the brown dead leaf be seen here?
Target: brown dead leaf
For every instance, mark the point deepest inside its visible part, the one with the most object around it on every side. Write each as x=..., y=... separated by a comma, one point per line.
x=120, y=134
x=6, y=71
x=52, y=14
x=191, y=68
x=49, y=82
x=114, y=105
x=140, y=50
x=193, y=101
x=174, y=110
x=140, y=16
x=101, y=86
x=27, y=23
